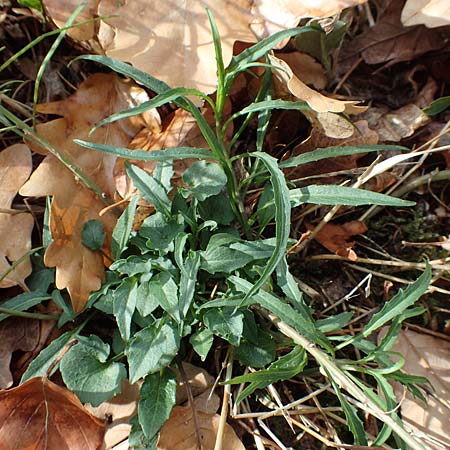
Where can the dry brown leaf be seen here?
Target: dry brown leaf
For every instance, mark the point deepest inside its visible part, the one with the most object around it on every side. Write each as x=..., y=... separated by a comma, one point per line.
x=79, y=269
x=15, y=229
x=429, y=357
x=118, y=412
x=401, y=123
x=41, y=415
x=15, y=334
x=336, y=238
x=178, y=433
x=389, y=41
x=431, y=13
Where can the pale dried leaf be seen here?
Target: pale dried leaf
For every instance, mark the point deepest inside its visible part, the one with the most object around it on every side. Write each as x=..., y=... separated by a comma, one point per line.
x=118, y=412
x=178, y=433
x=41, y=415
x=284, y=76
x=15, y=229
x=429, y=357
x=306, y=68
x=431, y=13
x=61, y=11
x=281, y=14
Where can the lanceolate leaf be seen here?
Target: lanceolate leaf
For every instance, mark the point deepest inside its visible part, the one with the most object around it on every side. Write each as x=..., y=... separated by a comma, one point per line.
x=124, y=304
x=398, y=303
x=150, y=189
x=286, y=367
x=157, y=397
x=122, y=230
x=333, y=152
x=302, y=323
x=282, y=218
x=167, y=154
x=342, y=195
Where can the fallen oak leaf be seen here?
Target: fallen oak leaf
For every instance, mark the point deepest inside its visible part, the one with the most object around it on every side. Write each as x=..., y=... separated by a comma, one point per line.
x=431, y=13
x=156, y=37
x=336, y=238
x=15, y=229
x=79, y=269
x=52, y=416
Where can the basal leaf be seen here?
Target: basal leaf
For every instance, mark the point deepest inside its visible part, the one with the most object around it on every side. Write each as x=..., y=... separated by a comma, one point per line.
x=223, y=259
x=201, y=342
x=86, y=372
x=157, y=397
x=152, y=349
x=205, y=179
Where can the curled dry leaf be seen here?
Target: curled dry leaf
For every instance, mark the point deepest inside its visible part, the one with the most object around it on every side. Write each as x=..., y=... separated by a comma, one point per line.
x=429, y=357
x=336, y=238
x=178, y=433
x=431, y=13
x=79, y=269
x=15, y=334
x=15, y=229
x=41, y=415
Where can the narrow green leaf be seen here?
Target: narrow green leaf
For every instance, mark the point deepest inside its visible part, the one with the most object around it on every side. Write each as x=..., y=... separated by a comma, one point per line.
x=124, y=305
x=167, y=96
x=334, y=323
x=22, y=302
x=163, y=288
x=334, y=152
x=122, y=230
x=268, y=105
x=399, y=303
x=262, y=47
x=354, y=423
x=285, y=312
x=149, y=188
x=188, y=280
x=437, y=106
x=286, y=367
x=342, y=195
x=86, y=372
x=167, y=154
x=157, y=397
x=93, y=234
x=282, y=218
x=152, y=349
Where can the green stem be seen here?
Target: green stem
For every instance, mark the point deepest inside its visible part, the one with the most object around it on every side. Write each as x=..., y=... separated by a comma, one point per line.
x=28, y=315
